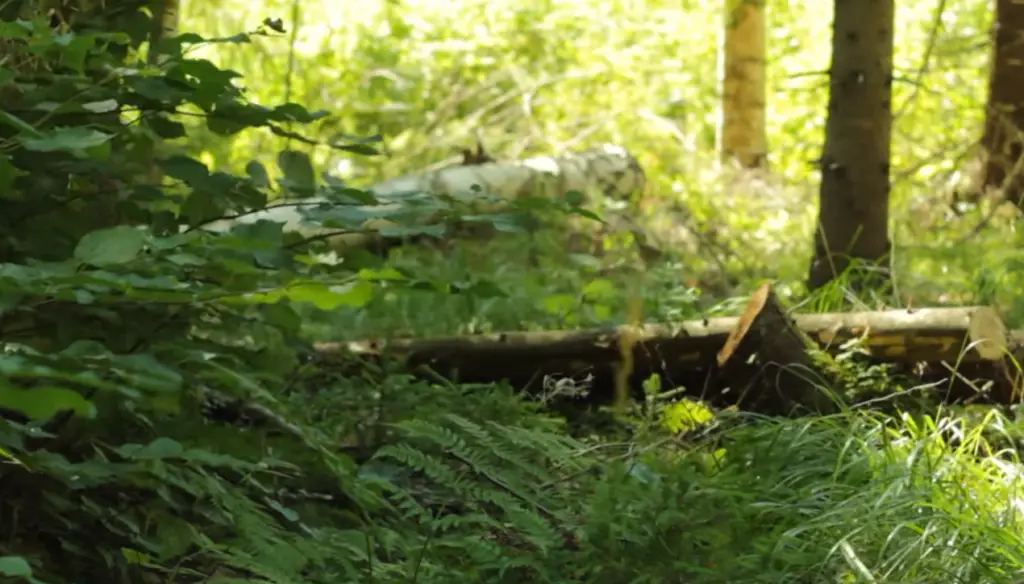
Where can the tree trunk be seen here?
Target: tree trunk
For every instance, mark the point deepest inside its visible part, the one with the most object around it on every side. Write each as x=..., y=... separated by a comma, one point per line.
x=1002, y=141
x=741, y=129
x=854, y=201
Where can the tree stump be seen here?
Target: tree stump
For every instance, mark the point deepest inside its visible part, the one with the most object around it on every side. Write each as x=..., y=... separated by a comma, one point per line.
x=773, y=365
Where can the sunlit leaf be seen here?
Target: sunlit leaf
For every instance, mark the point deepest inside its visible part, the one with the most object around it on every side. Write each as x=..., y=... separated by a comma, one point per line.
x=15, y=567
x=42, y=402
x=106, y=247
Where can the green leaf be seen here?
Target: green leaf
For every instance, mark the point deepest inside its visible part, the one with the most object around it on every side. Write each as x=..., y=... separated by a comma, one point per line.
x=184, y=168
x=8, y=172
x=15, y=566
x=136, y=557
x=42, y=402
x=288, y=514
x=282, y=316
x=297, y=170
x=293, y=112
x=385, y=273
x=75, y=49
x=354, y=294
x=258, y=173
x=412, y=230
x=165, y=127
x=113, y=246
x=18, y=124
x=174, y=536
x=574, y=198
x=507, y=222
x=72, y=139
x=325, y=297
x=100, y=107
x=364, y=149
x=223, y=125
x=15, y=29
x=480, y=289
x=162, y=447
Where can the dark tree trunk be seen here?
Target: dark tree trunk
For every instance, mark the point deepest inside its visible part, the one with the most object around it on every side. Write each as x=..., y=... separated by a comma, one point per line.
x=853, y=218
x=1002, y=141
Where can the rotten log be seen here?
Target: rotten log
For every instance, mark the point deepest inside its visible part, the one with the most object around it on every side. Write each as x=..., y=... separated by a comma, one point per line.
x=971, y=341
x=487, y=187
x=791, y=373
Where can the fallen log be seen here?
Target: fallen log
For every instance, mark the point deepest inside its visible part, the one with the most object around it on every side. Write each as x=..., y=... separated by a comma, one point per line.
x=969, y=346
x=423, y=203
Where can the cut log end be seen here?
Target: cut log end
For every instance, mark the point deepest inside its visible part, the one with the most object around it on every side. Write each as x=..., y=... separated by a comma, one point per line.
x=755, y=305
x=786, y=375
x=986, y=334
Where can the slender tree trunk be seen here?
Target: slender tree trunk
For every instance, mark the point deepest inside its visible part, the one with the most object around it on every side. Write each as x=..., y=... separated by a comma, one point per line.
x=1003, y=142
x=741, y=128
x=853, y=218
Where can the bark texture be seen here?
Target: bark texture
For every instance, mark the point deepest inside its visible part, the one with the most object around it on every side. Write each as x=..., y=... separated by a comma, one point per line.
x=854, y=201
x=741, y=130
x=1003, y=141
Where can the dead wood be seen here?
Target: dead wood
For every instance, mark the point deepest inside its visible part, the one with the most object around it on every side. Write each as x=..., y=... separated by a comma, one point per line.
x=967, y=348
x=790, y=371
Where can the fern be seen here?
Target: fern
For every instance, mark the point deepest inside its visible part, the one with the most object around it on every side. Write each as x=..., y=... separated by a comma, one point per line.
x=483, y=497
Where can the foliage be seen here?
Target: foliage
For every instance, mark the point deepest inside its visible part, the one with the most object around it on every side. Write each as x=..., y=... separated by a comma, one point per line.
x=562, y=75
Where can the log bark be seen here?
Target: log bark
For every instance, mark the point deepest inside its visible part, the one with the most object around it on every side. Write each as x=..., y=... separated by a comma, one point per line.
x=427, y=200
x=791, y=373
x=971, y=340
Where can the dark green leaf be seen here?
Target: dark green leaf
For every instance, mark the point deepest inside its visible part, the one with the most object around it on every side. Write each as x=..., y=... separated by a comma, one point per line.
x=75, y=50
x=165, y=127
x=574, y=198
x=481, y=289
x=437, y=230
x=18, y=124
x=364, y=149
x=285, y=512
x=283, y=316
x=161, y=90
x=72, y=139
x=225, y=125
x=162, y=447
x=297, y=170
x=293, y=112
x=8, y=172
x=186, y=169
x=258, y=174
